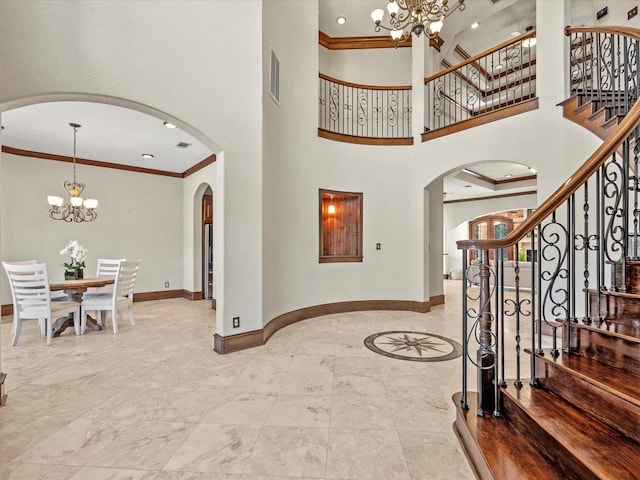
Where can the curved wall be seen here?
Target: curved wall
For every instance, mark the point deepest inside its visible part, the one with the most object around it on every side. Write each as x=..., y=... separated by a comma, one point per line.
x=297, y=163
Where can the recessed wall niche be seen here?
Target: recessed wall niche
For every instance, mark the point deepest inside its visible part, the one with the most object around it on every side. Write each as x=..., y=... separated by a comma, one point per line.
x=340, y=226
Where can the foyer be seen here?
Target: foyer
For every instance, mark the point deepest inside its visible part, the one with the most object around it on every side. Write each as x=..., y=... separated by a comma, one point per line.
x=313, y=402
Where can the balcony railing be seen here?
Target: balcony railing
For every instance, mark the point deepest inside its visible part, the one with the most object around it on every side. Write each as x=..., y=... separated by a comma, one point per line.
x=363, y=113
x=501, y=77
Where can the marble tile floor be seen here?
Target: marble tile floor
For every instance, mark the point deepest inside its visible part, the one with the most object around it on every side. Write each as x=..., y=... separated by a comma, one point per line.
x=156, y=403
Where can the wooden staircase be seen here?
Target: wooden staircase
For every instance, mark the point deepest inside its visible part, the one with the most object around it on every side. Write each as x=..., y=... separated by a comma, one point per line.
x=596, y=116
x=581, y=421
x=579, y=418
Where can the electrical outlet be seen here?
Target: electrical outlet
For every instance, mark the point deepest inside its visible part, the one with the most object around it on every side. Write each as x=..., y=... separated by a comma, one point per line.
x=236, y=322
x=378, y=246
x=632, y=13
x=166, y=284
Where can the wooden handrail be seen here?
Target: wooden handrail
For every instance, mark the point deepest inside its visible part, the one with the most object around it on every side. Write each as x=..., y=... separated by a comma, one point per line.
x=531, y=33
x=578, y=179
x=626, y=31
x=608, y=147
x=366, y=87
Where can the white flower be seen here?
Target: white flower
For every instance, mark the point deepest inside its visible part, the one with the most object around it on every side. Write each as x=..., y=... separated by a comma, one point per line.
x=77, y=252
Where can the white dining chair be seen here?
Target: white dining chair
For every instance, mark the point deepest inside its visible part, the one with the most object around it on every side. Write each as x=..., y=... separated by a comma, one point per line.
x=13, y=297
x=32, y=299
x=122, y=295
x=107, y=267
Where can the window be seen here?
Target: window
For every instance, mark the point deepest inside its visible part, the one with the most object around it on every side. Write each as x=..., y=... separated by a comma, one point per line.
x=340, y=226
x=491, y=227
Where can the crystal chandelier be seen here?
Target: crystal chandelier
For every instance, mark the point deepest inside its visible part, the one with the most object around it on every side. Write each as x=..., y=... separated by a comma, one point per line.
x=415, y=16
x=76, y=209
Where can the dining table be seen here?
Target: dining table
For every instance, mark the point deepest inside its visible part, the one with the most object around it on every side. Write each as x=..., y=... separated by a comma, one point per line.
x=75, y=289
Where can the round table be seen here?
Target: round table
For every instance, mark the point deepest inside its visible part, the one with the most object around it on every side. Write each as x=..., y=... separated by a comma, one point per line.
x=75, y=290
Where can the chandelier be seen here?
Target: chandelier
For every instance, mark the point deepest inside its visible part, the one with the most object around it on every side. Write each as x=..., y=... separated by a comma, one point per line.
x=415, y=16
x=76, y=209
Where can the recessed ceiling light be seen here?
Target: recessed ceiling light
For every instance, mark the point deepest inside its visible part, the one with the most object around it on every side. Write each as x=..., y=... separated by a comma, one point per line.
x=169, y=125
x=147, y=155
x=508, y=175
x=499, y=66
x=533, y=170
x=515, y=34
x=341, y=20
x=475, y=25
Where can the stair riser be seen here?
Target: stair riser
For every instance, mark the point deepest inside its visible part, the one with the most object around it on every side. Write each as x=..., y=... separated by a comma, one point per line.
x=546, y=444
x=610, y=350
x=625, y=311
x=609, y=408
x=633, y=276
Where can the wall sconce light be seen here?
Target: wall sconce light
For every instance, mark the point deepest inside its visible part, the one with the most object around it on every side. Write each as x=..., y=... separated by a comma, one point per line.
x=331, y=210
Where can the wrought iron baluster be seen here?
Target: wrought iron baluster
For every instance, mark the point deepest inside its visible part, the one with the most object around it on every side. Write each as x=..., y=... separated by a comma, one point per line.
x=535, y=285
x=465, y=333
x=500, y=301
x=537, y=333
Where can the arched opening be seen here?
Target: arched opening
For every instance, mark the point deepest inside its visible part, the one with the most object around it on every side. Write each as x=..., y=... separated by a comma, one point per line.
x=476, y=190
x=143, y=211
x=204, y=225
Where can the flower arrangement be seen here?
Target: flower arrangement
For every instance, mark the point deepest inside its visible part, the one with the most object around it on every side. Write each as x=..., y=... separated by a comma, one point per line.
x=78, y=255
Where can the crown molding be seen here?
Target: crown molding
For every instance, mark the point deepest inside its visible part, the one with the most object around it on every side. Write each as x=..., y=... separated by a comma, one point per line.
x=359, y=43
x=95, y=163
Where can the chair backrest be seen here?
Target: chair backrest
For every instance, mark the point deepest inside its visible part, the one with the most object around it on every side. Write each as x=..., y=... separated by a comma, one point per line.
x=21, y=262
x=30, y=288
x=108, y=267
x=126, y=279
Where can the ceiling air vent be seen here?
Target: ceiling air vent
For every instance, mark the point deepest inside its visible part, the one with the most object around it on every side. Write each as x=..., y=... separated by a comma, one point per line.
x=183, y=145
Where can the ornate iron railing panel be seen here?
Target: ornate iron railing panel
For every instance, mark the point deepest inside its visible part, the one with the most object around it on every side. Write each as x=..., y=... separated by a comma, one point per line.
x=499, y=78
x=604, y=69
x=579, y=248
x=364, y=111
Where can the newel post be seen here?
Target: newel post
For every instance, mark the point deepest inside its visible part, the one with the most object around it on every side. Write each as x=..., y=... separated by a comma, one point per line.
x=486, y=357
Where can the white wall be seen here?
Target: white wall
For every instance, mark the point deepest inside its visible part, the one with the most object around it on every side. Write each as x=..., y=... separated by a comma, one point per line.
x=137, y=218
x=368, y=67
x=175, y=57
x=270, y=161
x=584, y=13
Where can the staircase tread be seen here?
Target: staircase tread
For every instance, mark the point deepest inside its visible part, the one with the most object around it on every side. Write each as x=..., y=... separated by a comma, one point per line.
x=613, y=293
x=624, y=384
x=607, y=452
x=508, y=454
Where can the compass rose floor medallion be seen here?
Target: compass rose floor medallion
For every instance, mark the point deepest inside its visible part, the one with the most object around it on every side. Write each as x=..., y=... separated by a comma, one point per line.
x=413, y=346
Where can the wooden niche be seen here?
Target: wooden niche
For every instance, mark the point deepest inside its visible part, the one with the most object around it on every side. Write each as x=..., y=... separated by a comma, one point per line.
x=340, y=226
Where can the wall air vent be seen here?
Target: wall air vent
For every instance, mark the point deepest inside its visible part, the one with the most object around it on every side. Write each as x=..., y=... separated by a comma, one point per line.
x=274, y=78
x=183, y=145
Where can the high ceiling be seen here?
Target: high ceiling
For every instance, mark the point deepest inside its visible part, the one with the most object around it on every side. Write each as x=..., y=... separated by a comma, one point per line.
x=119, y=135
x=497, y=21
